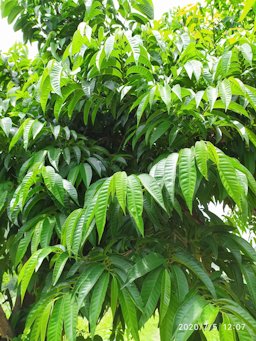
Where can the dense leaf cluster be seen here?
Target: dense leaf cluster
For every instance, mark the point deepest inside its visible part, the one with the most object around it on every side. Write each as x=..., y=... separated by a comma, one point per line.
x=113, y=142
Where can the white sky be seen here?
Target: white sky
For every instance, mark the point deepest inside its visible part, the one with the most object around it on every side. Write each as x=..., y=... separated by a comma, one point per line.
x=8, y=37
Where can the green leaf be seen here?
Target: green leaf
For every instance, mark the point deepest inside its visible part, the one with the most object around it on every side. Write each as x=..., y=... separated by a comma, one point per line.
x=54, y=183
x=70, y=189
x=54, y=332
x=144, y=265
x=141, y=108
x=152, y=187
x=234, y=308
x=248, y=5
x=6, y=125
x=142, y=71
x=157, y=171
x=36, y=128
x=120, y=180
x=134, y=43
x=55, y=76
x=66, y=92
x=150, y=293
x=225, y=93
x=97, y=299
x=129, y=313
x=188, y=313
x=27, y=133
x=229, y=178
x=72, y=230
x=244, y=333
x=177, y=91
x=193, y=67
x=135, y=201
x=145, y=7
x=86, y=174
x=45, y=319
x=247, y=52
x=165, y=294
x=47, y=230
x=159, y=131
x=22, y=247
x=36, y=236
x=187, y=175
x=226, y=333
x=184, y=258
x=70, y=317
x=101, y=206
x=59, y=266
x=212, y=95
x=251, y=95
x=165, y=93
x=167, y=324
x=86, y=282
x=198, y=97
x=223, y=65
x=201, y=152
x=45, y=90
x=109, y=46
x=233, y=106
x=54, y=156
x=245, y=247
x=114, y=295
x=18, y=134
x=170, y=168
x=78, y=94
x=27, y=272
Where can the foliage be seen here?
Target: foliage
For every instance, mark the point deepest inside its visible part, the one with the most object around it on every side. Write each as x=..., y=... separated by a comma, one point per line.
x=114, y=140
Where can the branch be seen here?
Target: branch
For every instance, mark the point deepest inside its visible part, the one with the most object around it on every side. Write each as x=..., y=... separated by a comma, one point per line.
x=5, y=328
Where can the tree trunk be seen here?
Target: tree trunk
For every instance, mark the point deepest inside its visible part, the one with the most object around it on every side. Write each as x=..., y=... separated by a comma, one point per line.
x=5, y=328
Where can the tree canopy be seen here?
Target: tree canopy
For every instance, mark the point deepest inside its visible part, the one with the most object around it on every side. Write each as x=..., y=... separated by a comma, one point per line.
x=114, y=140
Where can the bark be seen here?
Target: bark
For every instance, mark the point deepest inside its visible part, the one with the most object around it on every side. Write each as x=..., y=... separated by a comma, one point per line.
x=5, y=328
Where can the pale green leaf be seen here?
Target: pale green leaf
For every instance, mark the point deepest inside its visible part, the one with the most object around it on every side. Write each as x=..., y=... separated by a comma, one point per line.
x=187, y=175
x=135, y=201
x=120, y=180
x=225, y=92
x=187, y=260
x=101, y=206
x=97, y=299
x=170, y=169
x=201, y=152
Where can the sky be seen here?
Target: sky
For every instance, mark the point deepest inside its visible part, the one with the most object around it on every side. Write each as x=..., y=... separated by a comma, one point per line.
x=8, y=37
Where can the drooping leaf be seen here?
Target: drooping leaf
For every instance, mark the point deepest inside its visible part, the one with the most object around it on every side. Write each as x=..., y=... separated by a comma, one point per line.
x=145, y=265
x=129, y=313
x=187, y=175
x=247, y=7
x=101, y=206
x=120, y=180
x=170, y=169
x=97, y=299
x=70, y=316
x=183, y=258
x=201, y=152
x=225, y=92
x=153, y=188
x=54, y=332
x=55, y=76
x=59, y=266
x=165, y=294
x=135, y=201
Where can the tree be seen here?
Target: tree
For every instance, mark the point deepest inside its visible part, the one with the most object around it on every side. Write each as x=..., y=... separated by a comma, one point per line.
x=114, y=140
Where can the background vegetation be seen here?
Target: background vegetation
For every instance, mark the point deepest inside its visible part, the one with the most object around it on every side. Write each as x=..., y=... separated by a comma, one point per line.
x=113, y=142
